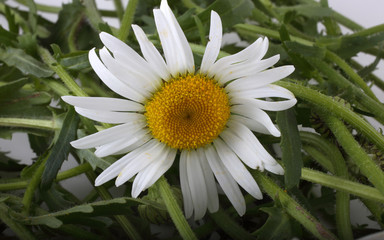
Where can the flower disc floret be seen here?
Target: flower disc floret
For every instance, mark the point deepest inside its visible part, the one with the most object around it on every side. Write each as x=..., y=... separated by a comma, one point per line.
x=188, y=112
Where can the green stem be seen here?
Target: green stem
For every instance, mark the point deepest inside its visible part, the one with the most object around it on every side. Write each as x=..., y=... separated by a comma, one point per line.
x=366, y=165
x=255, y=32
x=174, y=210
x=341, y=184
x=42, y=7
x=15, y=184
x=127, y=20
x=292, y=207
x=92, y=14
x=346, y=22
x=127, y=226
x=319, y=156
x=29, y=123
x=72, y=33
x=229, y=226
x=119, y=9
x=60, y=71
x=376, y=209
x=191, y=4
x=74, y=172
x=374, y=106
x=32, y=186
x=327, y=104
x=369, y=31
x=333, y=155
x=333, y=29
x=352, y=74
x=19, y=229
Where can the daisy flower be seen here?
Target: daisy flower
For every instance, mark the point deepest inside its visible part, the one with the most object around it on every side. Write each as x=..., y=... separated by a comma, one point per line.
x=168, y=108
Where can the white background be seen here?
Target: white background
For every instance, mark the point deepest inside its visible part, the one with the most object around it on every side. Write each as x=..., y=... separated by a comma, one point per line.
x=368, y=13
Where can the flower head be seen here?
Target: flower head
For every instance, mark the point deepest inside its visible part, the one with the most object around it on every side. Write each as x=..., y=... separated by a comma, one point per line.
x=169, y=107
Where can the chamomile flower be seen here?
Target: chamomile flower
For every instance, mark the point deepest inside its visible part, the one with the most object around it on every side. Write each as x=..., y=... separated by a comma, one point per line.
x=168, y=107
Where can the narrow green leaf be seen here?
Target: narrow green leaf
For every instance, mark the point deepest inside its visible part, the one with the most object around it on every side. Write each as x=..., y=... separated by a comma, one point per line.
x=90, y=157
x=11, y=87
x=9, y=164
x=19, y=229
x=229, y=226
x=7, y=38
x=308, y=10
x=231, y=13
x=293, y=208
x=290, y=146
x=61, y=148
x=76, y=61
x=278, y=225
x=24, y=62
x=116, y=206
x=349, y=46
x=305, y=50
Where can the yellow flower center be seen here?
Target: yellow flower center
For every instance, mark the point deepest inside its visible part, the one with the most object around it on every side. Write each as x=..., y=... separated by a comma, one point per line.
x=188, y=112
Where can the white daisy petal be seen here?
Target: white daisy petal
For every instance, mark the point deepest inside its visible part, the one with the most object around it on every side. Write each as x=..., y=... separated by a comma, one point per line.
x=110, y=80
x=237, y=169
x=197, y=184
x=213, y=198
x=136, y=144
x=274, y=168
x=108, y=135
x=177, y=52
x=153, y=171
x=130, y=138
x=107, y=116
x=260, y=79
x=226, y=181
x=213, y=47
x=117, y=46
x=139, y=80
x=250, y=139
x=103, y=103
x=270, y=90
x=247, y=53
x=242, y=149
x=114, y=170
x=131, y=60
x=265, y=105
x=184, y=184
x=251, y=124
x=147, y=153
x=246, y=69
x=257, y=115
x=151, y=54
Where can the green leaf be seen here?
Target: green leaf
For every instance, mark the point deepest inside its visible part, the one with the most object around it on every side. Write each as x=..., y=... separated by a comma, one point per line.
x=10, y=88
x=307, y=10
x=75, y=61
x=231, y=13
x=102, y=208
x=7, y=38
x=24, y=62
x=370, y=68
x=25, y=104
x=277, y=226
x=290, y=146
x=9, y=164
x=92, y=159
x=61, y=148
x=305, y=51
x=349, y=46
